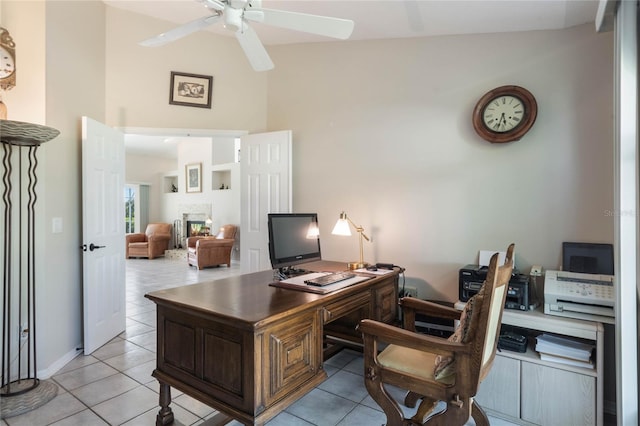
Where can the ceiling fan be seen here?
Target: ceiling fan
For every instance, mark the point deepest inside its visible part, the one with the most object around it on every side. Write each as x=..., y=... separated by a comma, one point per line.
x=235, y=15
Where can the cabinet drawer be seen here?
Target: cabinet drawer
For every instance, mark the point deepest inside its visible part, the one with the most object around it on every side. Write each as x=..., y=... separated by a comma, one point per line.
x=500, y=390
x=551, y=396
x=293, y=355
x=340, y=308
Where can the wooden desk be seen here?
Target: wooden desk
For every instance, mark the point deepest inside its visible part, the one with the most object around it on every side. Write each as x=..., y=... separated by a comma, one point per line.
x=248, y=349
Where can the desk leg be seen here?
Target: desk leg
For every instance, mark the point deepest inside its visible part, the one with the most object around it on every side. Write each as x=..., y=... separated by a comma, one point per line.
x=165, y=415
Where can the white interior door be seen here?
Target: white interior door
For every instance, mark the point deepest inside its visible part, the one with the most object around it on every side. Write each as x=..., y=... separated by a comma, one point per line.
x=265, y=182
x=103, y=262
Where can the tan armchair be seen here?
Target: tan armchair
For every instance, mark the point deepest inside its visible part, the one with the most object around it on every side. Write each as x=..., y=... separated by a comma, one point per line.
x=152, y=243
x=212, y=251
x=436, y=369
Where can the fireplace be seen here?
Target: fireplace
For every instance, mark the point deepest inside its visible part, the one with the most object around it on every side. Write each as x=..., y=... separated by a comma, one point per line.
x=196, y=227
x=192, y=213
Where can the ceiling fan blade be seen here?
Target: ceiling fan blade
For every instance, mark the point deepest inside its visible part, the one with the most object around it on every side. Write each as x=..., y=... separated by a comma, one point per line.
x=253, y=49
x=179, y=32
x=213, y=4
x=315, y=24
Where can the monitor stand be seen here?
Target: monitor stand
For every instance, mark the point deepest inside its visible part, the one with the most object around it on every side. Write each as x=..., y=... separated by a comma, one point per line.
x=289, y=271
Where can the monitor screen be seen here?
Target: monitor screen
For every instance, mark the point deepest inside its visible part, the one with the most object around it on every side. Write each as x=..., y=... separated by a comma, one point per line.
x=588, y=258
x=293, y=239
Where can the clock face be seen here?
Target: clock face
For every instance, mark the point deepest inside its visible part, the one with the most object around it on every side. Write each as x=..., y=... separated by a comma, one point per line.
x=7, y=64
x=503, y=114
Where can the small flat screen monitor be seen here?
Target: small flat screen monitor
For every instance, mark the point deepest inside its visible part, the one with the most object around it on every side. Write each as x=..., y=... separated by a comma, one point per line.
x=588, y=258
x=293, y=239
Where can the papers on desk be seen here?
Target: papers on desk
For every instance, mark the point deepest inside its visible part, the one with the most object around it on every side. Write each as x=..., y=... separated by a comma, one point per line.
x=378, y=271
x=298, y=283
x=564, y=350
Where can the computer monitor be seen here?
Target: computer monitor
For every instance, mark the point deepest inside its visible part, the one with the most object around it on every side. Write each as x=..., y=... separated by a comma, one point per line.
x=589, y=258
x=293, y=239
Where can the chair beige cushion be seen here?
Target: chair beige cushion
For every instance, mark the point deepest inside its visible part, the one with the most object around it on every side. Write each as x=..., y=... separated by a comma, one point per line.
x=406, y=360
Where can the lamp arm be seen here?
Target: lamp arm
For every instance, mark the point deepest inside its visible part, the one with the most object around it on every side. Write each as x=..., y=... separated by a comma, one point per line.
x=359, y=229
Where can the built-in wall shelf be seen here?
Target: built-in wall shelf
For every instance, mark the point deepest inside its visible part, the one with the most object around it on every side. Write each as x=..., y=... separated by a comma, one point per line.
x=170, y=183
x=221, y=177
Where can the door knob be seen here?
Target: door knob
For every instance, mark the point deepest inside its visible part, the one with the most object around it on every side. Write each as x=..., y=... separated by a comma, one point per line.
x=93, y=247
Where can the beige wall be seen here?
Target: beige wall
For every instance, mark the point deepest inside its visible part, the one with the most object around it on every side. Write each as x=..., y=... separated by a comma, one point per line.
x=382, y=130
x=137, y=78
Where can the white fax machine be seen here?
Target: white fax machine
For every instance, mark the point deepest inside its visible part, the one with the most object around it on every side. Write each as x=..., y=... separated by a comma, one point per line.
x=577, y=295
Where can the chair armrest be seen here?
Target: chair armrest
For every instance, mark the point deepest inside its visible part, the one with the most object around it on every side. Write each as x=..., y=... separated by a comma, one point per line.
x=214, y=242
x=411, y=306
x=386, y=333
x=136, y=238
x=430, y=308
x=192, y=241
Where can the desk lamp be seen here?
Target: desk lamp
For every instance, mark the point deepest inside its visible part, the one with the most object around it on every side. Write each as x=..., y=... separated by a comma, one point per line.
x=342, y=228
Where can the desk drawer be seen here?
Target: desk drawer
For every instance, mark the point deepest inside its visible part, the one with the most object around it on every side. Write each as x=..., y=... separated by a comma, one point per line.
x=340, y=308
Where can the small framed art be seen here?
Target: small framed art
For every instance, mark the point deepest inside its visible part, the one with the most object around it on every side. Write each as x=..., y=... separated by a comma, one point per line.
x=190, y=90
x=193, y=174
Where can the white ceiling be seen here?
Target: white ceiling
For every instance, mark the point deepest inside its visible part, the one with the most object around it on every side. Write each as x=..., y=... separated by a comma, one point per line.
x=377, y=19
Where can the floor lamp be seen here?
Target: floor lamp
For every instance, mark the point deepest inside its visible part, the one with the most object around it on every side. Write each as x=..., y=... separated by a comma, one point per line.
x=20, y=390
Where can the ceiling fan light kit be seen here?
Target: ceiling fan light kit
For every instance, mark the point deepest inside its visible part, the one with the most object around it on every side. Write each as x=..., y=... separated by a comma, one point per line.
x=235, y=15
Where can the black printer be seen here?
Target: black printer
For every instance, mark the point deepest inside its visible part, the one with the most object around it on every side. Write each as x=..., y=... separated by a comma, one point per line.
x=518, y=294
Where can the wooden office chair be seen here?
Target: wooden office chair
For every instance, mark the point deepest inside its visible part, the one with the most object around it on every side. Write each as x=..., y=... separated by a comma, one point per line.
x=437, y=369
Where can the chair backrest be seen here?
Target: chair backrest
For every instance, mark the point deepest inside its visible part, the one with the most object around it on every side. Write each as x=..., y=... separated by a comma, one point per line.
x=227, y=232
x=487, y=324
x=162, y=228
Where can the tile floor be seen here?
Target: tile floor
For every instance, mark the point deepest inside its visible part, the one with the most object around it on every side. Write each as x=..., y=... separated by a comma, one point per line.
x=113, y=386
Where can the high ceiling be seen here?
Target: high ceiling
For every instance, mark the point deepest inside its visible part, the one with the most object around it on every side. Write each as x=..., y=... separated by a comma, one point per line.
x=377, y=19
x=380, y=19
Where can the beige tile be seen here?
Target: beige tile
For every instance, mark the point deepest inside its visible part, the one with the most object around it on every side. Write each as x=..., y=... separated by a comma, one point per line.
x=146, y=339
x=134, y=329
x=131, y=359
x=101, y=390
x=181, y=417
x=84, y=375
x=127, y=406
x=193, y=405
x=60, y=407
x=114, y=348
x=142, y=373
x=83, y=418
x=78, y=362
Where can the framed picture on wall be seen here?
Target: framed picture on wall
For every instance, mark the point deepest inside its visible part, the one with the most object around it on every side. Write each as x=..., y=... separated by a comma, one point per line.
x=194, y=177
x=190, y=90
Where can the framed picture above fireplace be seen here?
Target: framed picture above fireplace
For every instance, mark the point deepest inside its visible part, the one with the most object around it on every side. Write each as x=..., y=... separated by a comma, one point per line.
x=193, y=174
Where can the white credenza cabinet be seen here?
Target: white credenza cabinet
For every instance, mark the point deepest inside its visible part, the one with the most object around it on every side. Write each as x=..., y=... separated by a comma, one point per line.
x=523, y=389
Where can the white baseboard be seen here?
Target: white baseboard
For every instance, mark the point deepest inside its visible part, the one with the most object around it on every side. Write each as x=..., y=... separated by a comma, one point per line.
x=57, y=365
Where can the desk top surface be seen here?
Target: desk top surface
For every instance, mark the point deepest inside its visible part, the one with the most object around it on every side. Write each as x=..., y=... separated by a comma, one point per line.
x=249, y=299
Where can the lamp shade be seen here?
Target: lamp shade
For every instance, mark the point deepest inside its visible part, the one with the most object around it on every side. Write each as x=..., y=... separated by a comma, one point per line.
x=342, y=227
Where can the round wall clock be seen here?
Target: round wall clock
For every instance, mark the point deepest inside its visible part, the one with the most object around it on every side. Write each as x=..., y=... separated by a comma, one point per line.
x=7, y=66
x=7, y=60
x=505, y=114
